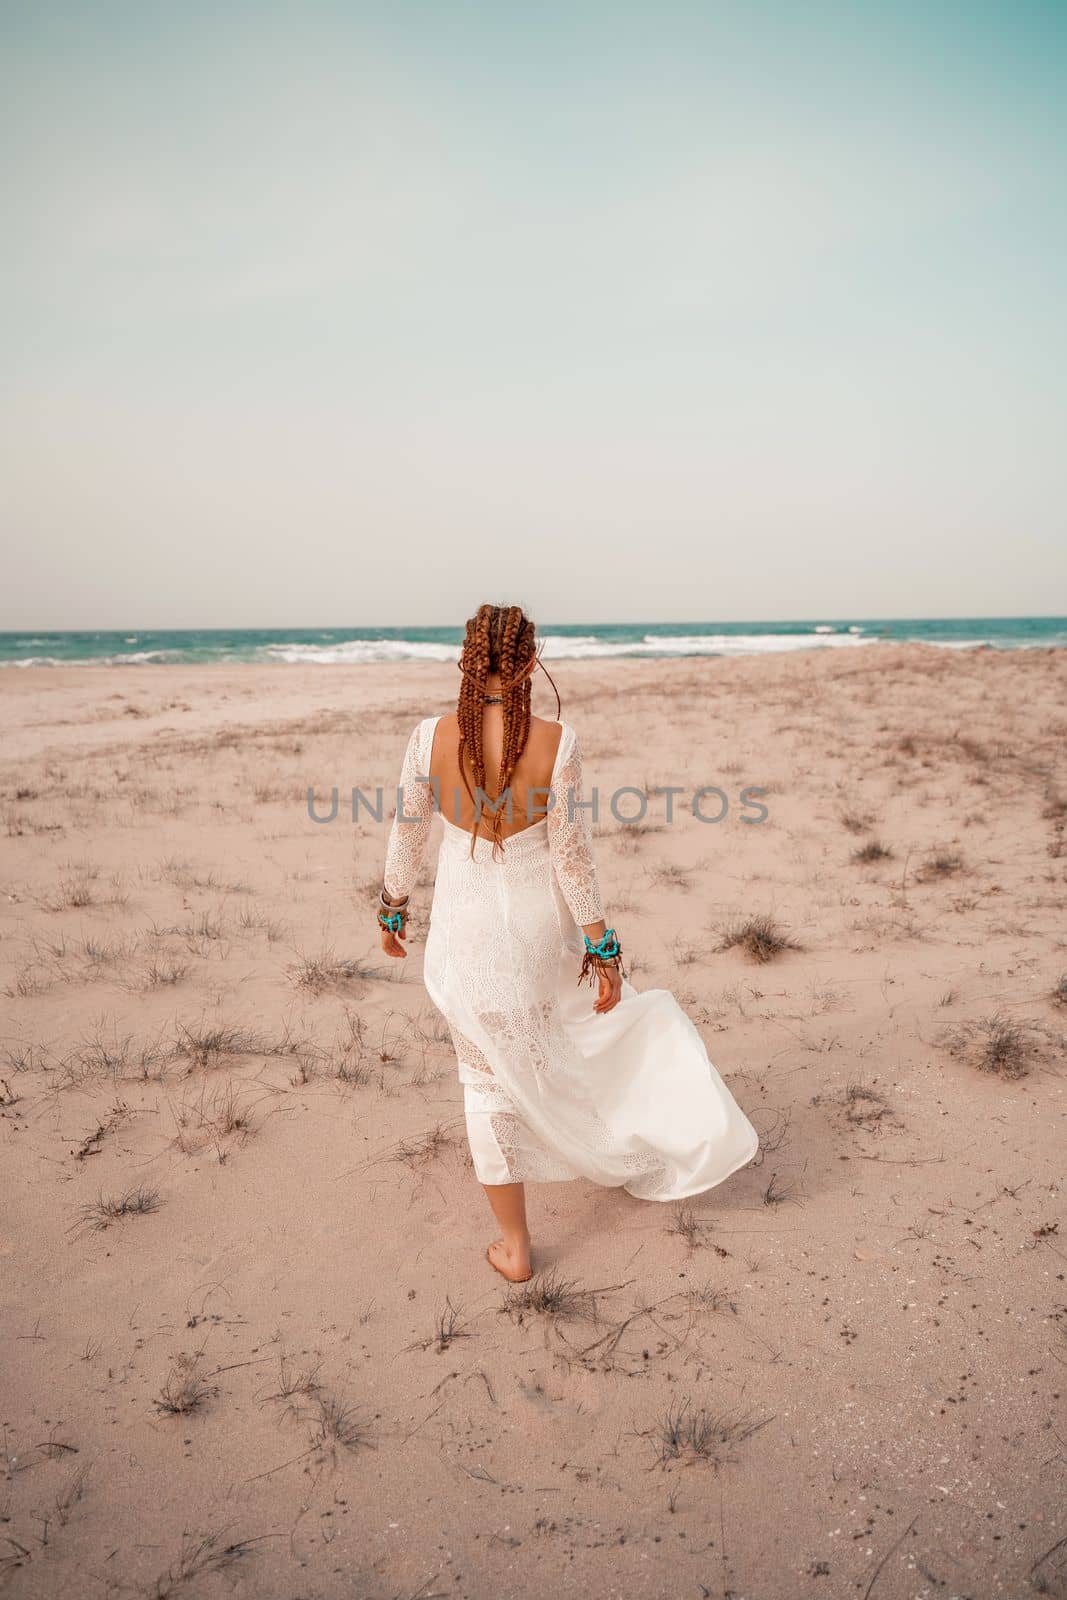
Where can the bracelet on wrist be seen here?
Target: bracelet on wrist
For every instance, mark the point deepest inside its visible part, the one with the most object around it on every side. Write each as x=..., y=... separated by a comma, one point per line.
x=392, y=914
x=600, y=955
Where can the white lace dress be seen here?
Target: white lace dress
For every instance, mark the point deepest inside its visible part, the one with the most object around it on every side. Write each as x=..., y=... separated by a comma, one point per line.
x=552, y=1090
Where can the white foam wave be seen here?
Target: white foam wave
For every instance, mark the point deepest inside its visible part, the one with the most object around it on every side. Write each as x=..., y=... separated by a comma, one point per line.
x=358, y=651
x=140, y=656
x=697, y=644
x=959, y=644
x=131, y=658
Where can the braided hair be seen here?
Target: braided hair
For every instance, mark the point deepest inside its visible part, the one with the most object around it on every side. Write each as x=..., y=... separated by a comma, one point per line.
x=501, y=640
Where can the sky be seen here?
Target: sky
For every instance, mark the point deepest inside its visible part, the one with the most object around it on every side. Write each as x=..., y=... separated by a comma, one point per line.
x=341, y=313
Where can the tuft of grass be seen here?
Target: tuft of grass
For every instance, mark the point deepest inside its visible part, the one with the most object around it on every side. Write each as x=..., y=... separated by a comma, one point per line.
x=326, y=970
x=202, y=933
x=75, y=892
x=760, y=938
x=701, y=1435
x=80, y=887
x=229, y=1113
x=351, y=1045
x=338, y=1425
x=1058, y=995
x=780, y=1194
x=23, y=1057
x=250, y=921
x=687, y=1226
x=103, y=1051
x=197, y=1558
x=163, y=972
x=940, y=864
x=294, y=1380
x=668, y=875
x=855, y=821
x=996, y=1043
x=100, y=1214
x=415, y=1154
x=207, y=1046
x=95, y=951
x=183, y=875
x=31, y=979
x=449, y=1327
x=550, y=1295
x=389, y=1051
x=711, y=1298
x=186, y=1389
x=226, y=1115
x=874, y=850
x=865, y=1106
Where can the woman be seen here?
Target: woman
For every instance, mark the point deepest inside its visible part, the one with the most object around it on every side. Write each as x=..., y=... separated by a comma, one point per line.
x=618, y=1089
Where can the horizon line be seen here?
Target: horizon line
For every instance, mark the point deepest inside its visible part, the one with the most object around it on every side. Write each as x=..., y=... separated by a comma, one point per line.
x=636, y=622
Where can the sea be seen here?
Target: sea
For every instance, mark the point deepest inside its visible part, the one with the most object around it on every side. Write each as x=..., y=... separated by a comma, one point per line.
x=354, y=645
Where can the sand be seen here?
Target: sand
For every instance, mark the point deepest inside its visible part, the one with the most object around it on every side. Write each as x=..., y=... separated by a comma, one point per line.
x=251, y=1345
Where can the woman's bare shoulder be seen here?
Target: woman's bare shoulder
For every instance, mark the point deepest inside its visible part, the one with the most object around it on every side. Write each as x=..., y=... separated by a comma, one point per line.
x=545, y=736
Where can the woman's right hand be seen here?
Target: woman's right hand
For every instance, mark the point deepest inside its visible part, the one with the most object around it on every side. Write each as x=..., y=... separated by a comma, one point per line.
x=390, y=942
x=609, y=989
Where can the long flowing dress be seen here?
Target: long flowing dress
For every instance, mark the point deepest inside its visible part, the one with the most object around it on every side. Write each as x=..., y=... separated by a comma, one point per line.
x=552, y=1090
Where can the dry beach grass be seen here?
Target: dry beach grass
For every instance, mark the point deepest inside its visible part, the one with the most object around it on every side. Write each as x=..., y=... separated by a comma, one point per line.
x=250, y=1342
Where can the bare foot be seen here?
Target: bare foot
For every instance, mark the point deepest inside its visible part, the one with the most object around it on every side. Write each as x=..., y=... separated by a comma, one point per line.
x=511, y=1261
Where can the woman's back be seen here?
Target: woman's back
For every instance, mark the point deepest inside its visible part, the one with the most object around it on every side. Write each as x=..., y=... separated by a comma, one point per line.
x=530, y=782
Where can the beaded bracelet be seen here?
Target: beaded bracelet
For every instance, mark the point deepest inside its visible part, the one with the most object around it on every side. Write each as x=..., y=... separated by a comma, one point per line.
x=599, y=955
x=391, y=916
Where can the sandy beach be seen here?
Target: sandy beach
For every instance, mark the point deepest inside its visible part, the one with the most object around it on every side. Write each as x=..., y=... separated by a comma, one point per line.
x=251, y=1345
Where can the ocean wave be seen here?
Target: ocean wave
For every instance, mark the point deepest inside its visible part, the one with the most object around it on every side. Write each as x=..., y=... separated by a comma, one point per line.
x=360, y=651
x=130, y=658
x=556, y=647
x=695, y=644
x=972, y=644
x=561, y=647
x=141, y=656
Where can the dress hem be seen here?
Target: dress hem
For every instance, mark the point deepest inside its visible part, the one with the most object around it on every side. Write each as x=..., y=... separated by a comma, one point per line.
x=704, y=1188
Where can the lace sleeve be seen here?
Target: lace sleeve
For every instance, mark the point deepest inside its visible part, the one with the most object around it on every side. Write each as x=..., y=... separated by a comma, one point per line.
x=411, y=824
x=569, y=835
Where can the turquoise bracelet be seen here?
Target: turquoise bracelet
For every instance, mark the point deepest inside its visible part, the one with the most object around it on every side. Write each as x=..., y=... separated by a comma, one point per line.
x=392, y=916
x=598, y=956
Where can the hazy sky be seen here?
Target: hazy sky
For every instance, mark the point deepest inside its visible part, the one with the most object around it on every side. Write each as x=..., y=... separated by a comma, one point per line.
x=345, y=313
